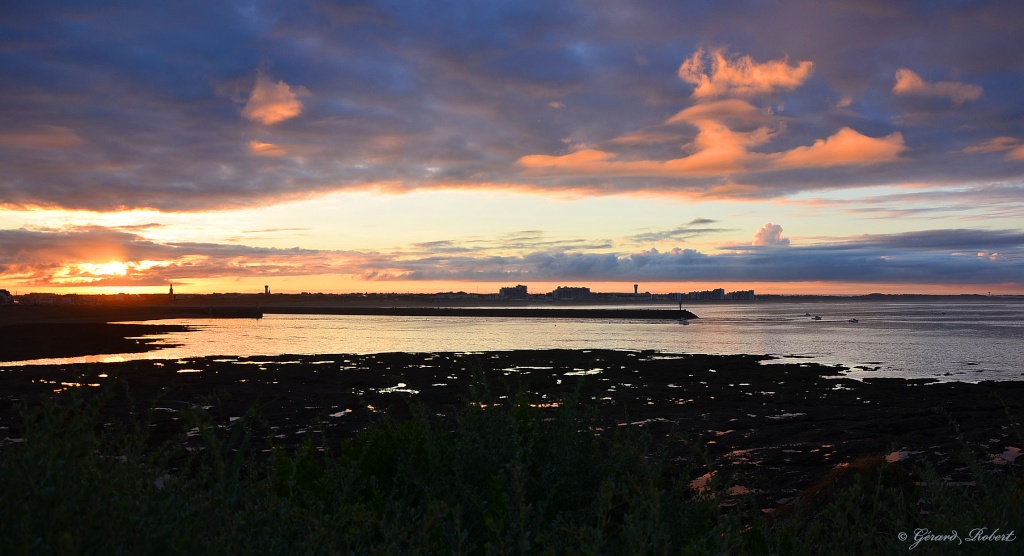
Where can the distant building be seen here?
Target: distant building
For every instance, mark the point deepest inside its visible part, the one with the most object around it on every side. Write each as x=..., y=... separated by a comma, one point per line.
x=514, y=292
x=741, y=295
x=455, y=296
x=717, y=295
x=6, y=298
x=708, y=295
x=40, y=299
x=570, y=293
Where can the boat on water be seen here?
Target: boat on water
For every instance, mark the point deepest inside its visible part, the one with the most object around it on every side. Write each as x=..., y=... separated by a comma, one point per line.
x=853, y=320
x=682, y=315
x=816, y=317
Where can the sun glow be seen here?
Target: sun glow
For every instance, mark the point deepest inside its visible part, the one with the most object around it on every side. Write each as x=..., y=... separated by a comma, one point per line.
x=112, y=268
x=79, y=273
x=92, y=273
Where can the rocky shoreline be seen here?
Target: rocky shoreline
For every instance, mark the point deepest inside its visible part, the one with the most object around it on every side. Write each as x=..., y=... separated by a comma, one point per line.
x=772, y=430
x=32, y=340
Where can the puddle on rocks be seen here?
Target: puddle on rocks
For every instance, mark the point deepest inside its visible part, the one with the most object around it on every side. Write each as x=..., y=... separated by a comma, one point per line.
x=401, y=387
x=703, y=485
x=584, y=372
x=1007, y=457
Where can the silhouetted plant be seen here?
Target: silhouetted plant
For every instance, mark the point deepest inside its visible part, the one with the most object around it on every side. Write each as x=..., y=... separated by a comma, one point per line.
x=499, y=476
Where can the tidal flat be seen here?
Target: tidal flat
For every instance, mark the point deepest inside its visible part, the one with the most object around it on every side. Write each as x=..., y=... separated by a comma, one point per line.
x=772, y=431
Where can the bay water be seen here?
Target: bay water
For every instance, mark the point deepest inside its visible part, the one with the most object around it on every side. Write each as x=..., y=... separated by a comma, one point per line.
x=962, y=341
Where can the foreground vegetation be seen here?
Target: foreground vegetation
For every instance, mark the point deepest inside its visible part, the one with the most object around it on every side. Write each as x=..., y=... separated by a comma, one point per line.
x=493, y=479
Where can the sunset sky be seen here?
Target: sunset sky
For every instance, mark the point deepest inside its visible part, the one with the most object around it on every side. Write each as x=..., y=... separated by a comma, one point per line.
x=791, y=147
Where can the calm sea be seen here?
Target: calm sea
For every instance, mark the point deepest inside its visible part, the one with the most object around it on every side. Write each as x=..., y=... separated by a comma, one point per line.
x=963, y=341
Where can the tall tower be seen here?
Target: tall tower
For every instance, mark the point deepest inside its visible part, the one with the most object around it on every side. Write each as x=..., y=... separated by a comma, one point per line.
x=266, y=290
x=170, y=294
x=636, y=289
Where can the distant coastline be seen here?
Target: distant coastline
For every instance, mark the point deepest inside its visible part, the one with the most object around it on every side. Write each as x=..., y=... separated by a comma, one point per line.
x=39, y=308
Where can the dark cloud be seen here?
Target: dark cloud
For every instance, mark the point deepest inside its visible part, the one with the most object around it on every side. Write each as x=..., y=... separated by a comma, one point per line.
x=119, y=105
x=951, y=240
x=686, y=265
x=995, y=201
x=78, y=256
x=681, y=233
x=535, y=239
x=938, y=257
x=99, y=256
x=442, y=246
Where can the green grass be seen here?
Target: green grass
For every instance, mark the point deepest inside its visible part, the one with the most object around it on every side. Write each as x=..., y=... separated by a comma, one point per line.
x=500, y=479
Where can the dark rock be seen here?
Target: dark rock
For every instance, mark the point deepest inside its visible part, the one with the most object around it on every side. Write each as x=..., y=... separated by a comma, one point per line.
x=776, y=429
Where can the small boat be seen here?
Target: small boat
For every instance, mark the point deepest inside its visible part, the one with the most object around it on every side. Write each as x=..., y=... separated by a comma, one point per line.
x=816, y=317
x=807, y=314
x=853, y=320
x=682, y=320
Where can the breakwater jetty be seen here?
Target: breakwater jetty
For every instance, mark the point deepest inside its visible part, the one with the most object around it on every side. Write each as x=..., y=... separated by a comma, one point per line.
x=517, y=312
x=18, y=314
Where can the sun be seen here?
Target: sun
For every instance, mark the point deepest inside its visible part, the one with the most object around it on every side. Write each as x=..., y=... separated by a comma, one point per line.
x=112, y=268
x=85, y=273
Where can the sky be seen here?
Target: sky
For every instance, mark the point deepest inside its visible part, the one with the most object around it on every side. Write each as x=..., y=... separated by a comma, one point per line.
x=799, y=146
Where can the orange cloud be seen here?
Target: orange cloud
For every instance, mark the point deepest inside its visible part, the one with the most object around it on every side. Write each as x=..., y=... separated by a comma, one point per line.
x=995, y=145
x=722, y=151
x=737, y=110
x=272, y=102
x=910, y=83
x=647, y=137
x=719, y=150
x=260, y=148
x=1014, y=147
x=41, y=137
x=741, y=76
x=846, y=147
x=580, y=160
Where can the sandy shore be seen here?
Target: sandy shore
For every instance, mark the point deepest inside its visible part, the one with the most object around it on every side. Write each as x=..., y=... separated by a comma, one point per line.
x=773, y=429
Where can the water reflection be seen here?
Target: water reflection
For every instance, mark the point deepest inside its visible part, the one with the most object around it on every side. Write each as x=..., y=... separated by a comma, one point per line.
x=968, y=341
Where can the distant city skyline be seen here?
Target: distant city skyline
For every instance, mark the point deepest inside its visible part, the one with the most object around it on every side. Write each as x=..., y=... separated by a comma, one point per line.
x=797, y=148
